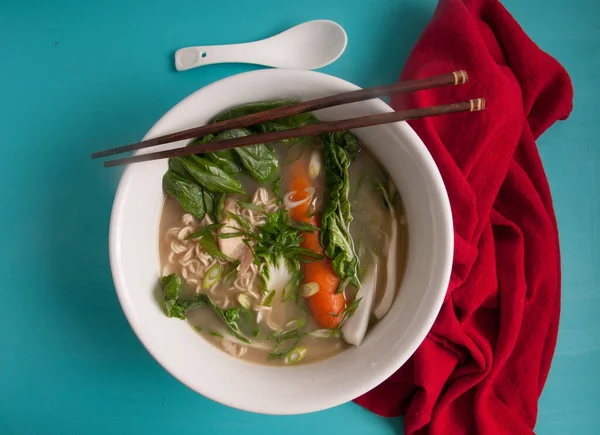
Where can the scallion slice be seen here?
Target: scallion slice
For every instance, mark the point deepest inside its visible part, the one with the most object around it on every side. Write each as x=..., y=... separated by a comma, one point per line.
x=295, y=355
x=244, y=301
x=309, y=289
x=212, y=276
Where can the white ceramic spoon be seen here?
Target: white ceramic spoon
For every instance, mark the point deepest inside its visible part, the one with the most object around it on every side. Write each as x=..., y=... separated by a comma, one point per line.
x=309, y=45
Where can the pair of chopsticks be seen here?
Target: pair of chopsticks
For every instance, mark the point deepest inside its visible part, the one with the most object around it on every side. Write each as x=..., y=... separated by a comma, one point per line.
x=451, y=79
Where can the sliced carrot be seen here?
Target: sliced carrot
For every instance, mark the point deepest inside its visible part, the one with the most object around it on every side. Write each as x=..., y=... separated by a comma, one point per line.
x=325, y=302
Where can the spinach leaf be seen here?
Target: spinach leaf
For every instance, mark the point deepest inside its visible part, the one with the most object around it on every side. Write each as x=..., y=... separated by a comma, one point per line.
x=209, y=203
x=219, y=206
x=178, y=308
x=294, y=121
x=260, y=161
x=176, y=166
x=248, y=109
x=275, y=125
x=225, y=159
x=189, y=195
x=174, y=306
x=209, y=175
x=338, y=150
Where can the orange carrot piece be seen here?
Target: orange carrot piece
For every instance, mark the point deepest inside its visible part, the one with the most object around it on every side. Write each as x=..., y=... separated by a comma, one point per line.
x=325, y=301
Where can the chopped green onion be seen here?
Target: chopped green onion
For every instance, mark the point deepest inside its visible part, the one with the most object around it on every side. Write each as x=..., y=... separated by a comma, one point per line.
x=212, y=276
x=244, y=301
x=276, y=190
x=281, y=348
x=325, y=333
x=295, y=355
x=216, y=334
x=198, y=328
x=295, y=151
x=309, y=289
x=290, y=291
x=294, y=324
x=384, y=195
x=253, y=207
x=255, y=333
x=268, y=299
x=239, y=219
x=231, y=235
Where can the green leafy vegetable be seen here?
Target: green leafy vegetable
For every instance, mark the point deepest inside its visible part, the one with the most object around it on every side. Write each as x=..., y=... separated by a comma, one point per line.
x=220, y=204
x=295, y=151
x=242, y=221
x=280, y=237
x=285, y=343
x=347, y=312
x=260, y=161
x=225, y=159
x=175, y=165
x=277, y=190
x=339, y=148
x=188, y=194
x=269, y=299
x=209, y=203
x=206, y=239
x=384, y=195
x=209, y=175
x=174, y=306
x=249, y=109
x=290, y=291
x=177, y=307
x=253, y=207
x=230, y=316
x=230, y=273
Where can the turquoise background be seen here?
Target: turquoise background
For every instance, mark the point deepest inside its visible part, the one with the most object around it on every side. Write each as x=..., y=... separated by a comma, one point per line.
x=78, y=76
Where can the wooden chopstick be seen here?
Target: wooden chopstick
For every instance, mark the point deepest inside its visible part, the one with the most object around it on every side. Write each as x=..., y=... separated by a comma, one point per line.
x=450, y=79
x=307, y=130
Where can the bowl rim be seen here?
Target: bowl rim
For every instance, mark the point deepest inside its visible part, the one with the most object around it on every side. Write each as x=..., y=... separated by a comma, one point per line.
x=377, y=376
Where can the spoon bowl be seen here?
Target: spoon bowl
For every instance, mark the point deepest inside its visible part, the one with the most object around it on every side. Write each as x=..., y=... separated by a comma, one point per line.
x=307, y=46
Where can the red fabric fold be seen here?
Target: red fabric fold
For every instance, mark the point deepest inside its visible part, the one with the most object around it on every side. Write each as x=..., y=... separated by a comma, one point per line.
x=482, y=367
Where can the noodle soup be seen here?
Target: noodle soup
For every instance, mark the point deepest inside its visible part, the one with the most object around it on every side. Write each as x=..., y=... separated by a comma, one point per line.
x=285, y=253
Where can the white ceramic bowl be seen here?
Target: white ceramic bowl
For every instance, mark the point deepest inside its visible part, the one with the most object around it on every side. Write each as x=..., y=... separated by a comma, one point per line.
x=284, y=390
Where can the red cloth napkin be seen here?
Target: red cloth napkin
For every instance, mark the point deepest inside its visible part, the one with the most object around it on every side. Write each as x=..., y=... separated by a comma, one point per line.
x=482, y=367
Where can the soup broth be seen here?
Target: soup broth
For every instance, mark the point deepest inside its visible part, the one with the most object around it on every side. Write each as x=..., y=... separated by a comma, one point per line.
x=264, y=315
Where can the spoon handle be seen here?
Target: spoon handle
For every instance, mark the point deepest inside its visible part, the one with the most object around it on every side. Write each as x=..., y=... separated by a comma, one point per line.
x=249, y=52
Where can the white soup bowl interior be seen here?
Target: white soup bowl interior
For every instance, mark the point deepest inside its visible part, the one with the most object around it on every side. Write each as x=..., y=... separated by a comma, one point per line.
x=305, y=388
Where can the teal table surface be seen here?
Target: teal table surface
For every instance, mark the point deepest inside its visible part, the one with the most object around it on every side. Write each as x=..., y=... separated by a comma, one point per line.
x=78, y=76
